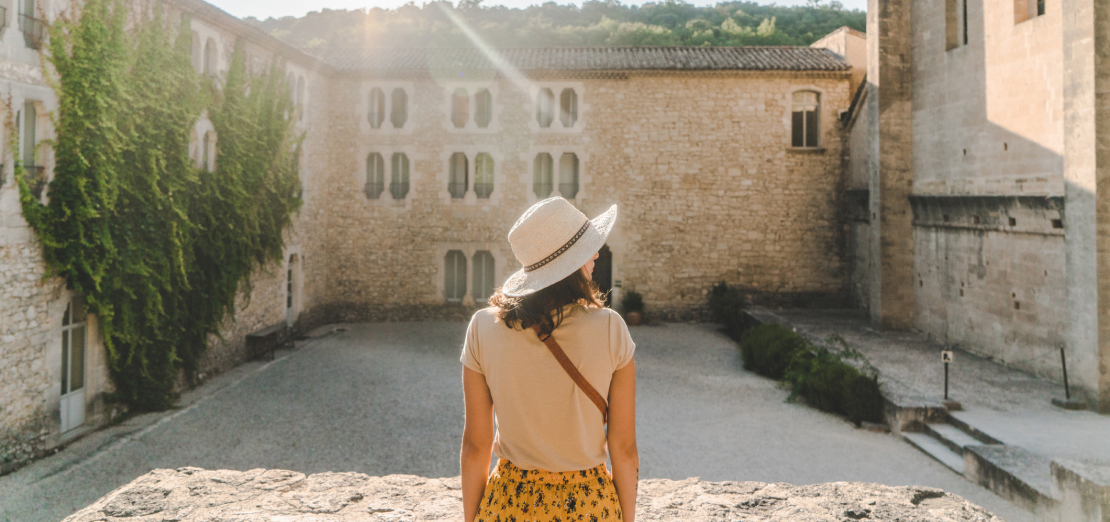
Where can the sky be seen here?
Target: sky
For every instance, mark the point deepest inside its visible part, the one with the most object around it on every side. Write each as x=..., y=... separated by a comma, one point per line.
x=263, y=9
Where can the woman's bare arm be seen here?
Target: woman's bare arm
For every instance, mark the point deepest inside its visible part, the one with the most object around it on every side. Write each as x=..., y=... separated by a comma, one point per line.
x=477, y=441
x=622, y=438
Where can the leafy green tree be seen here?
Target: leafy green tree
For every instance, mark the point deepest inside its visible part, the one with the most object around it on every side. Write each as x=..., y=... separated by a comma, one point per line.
x=595, y=23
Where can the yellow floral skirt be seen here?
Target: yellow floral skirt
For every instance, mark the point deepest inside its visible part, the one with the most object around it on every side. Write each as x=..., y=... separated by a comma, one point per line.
x=535, y=495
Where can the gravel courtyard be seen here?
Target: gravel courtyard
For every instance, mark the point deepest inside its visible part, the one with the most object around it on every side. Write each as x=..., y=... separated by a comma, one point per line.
x=386, y=398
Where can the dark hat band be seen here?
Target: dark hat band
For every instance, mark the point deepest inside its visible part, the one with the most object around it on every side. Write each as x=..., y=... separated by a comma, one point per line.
x=561, y=249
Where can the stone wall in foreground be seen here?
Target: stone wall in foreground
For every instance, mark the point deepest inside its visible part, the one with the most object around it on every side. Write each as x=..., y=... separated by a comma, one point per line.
x=194, y=494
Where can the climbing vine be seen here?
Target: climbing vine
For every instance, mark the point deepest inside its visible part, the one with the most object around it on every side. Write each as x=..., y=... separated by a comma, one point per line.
x=158, y=247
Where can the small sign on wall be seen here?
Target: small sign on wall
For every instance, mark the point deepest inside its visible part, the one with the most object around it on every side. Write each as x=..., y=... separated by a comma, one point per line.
x=946, y=356
x=617, y=283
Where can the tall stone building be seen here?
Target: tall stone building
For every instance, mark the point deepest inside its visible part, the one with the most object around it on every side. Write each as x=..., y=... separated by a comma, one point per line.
x=727, y=164
x=975, y=181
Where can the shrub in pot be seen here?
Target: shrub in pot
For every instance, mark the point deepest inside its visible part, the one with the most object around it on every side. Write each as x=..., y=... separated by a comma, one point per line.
x=633, y=305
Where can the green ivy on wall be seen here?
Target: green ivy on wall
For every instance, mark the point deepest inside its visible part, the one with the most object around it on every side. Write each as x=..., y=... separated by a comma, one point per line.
x=158, y=247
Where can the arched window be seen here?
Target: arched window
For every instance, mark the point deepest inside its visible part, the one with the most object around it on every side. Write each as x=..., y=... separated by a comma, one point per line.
x=483, y=175
x=400, y=111
x=568, y=175
x=375, y=175
x=208, y=152
x=568, y=108
x=300, y=98
x=804, y=124
x=210, y=64
x=541, y=175
x=460, y=108
x=545, y=107
x=196, y=53
x=399, y=178
x=483, y=275
x=483, y=108
x=376, y=114
x=455, y=270
x=456, y=183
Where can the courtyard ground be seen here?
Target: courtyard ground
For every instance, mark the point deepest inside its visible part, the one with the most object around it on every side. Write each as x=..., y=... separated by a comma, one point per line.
x=386, y=398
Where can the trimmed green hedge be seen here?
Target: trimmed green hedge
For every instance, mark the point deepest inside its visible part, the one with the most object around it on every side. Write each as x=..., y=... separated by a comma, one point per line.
x=816, y=374
x=820, y=376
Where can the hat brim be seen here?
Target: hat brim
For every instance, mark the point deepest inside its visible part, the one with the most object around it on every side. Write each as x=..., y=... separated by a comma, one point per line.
x=524, y=283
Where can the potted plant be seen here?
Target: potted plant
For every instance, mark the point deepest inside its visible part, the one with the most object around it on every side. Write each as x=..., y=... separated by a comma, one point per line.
x=633, y=305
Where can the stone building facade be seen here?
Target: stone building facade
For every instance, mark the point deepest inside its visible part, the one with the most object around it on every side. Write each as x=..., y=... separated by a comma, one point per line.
x=700, y=163
x=53, y=368
x=727, y=164
x=974, y=151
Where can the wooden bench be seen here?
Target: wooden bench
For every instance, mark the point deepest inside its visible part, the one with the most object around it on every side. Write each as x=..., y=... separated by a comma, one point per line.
x=268, y=339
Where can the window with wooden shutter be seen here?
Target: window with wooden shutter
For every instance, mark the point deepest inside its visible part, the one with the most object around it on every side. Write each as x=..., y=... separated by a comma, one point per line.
x=483, y=108
x=460, y=108
x=568, y=175
x=375, y=175
x=545, y=107
x=455, y=270
x=399, y=179
x=568, y=108
x=376, y=114
x=541, y=175
x=483, y=275
x=483, y=175
x=399, y=114
x=804, y=123
x=457, y=181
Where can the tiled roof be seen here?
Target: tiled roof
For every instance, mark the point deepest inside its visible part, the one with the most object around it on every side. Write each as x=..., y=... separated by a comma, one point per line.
x=587, y=59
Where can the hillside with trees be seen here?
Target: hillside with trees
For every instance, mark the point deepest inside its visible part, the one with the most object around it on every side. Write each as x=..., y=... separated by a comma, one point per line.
x=595, y=23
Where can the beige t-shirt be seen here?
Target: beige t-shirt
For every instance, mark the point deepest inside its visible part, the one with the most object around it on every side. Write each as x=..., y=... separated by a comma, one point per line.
x=543, y=420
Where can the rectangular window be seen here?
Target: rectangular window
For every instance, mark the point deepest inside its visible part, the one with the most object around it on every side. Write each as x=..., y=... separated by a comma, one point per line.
x=483, y=108
x=541, y=175
x=951, y=24
x=375, y=175
x=399, y=180
x=455, y=270
x=568, y=175
x=804, y=119
x=1027, y=10
x=545, y=108
x=457, y=182
x=376, y=114
x=483, y=275
x=483, y=175
x=460, y=108
x=399, y=114
x=568, y=108
x=73, y=365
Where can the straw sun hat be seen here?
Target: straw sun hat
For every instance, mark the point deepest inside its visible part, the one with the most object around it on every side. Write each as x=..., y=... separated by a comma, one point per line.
x=552, y=240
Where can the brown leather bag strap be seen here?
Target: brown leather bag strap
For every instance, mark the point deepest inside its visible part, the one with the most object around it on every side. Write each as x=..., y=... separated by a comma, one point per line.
x=575, y=375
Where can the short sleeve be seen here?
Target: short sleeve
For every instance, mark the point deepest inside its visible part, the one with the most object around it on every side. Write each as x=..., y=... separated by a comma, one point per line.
x=621, y=347
x=471, y=352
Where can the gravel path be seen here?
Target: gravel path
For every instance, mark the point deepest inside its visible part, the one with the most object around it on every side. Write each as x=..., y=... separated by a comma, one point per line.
x=385, y=398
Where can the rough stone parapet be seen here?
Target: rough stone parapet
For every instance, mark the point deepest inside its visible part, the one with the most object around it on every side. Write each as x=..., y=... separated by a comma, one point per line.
x=194, y=494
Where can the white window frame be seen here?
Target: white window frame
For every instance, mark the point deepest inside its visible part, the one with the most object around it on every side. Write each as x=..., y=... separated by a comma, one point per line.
x=557, y=89
x=471, y=126
x=528, y=177
x=387, y=126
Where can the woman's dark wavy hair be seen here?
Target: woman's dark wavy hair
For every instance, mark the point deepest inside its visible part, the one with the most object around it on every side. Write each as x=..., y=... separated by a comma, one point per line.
x=545, y=307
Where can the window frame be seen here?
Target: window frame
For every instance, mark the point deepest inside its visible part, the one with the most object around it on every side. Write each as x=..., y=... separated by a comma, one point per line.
x=543, y=166
x=484, y=166
x=573, y=171
x=375, y=168
x=488, y=273
x=375, y=108
x=451, y=272
x=399, y=175
x=392, y=94
x=453, y=173
x=817, y=143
